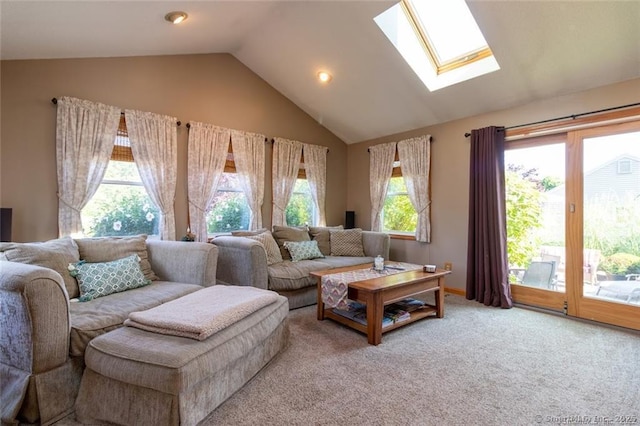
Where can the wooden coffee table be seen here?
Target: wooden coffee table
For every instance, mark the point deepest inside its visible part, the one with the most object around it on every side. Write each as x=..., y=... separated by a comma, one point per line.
x=381, y=291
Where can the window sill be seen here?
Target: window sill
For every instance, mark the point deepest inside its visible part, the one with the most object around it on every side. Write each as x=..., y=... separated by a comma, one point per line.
x=408, y=237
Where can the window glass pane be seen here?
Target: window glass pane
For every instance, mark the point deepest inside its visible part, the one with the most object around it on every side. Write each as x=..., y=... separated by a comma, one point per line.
x=230, y=210
x=535, y=207
x=452, y=30
x=398, y=213
x=301, y=209
x=121, y=208
x=117, y=210
x=122, y=171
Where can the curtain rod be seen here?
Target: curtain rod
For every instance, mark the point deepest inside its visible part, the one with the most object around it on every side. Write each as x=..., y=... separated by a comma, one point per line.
x=265, y=139
x=274, y=141
x=572, y=116
x=55, y=102
x=430, y=140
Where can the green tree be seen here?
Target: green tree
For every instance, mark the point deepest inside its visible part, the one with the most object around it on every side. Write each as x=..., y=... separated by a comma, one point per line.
x=524, y=216
x=299, y=211
x=398, y=213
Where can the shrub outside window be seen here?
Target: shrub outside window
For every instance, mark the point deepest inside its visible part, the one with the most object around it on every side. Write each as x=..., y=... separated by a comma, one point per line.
x=301, y=208
x=398, y=214
x=230, y=210
x=121, y=205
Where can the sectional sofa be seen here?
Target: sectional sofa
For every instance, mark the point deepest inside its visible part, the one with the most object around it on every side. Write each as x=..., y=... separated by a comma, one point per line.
x=244, y=259
x=45, y=331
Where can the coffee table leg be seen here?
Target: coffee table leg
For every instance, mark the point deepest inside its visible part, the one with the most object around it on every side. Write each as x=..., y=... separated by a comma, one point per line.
x=375, y=310
x=320, y=303
x=440, y=298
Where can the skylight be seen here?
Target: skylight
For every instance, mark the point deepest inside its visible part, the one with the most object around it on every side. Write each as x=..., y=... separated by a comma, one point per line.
x=440, y=40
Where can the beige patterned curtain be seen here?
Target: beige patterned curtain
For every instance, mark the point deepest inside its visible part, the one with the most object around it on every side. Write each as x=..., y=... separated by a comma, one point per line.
x=208, y=147
x=380, y=169
x=154, y=146
x=415, y=162
x=85, y=134
x=248, y=155
x=315, y=165
x=285, y=165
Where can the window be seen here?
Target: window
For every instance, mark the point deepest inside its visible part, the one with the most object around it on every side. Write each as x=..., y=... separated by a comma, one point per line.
x=230, y=210
x=624, y=166
x=301, y=208
x=440, y=40
x=398, y=214
x=121, y=206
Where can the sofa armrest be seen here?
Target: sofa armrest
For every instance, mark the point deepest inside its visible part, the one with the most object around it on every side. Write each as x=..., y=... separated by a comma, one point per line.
x=376, y=243
x=184, y=261
x=34, y=318
x=242, y=261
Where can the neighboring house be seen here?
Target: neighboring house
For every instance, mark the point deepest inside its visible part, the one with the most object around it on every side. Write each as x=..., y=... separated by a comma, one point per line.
x=611, y=184
x=607, y=189
x=615, y=181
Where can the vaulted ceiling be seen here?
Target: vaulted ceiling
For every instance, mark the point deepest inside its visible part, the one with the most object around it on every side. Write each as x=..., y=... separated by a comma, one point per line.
x=544, y=48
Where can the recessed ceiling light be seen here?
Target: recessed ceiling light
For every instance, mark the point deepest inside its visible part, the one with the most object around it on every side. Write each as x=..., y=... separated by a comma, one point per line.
x=324, y=77
x=175, y=17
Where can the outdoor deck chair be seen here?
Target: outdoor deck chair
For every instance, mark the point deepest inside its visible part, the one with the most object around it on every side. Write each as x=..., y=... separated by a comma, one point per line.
x=540, y=274
x=626, y=290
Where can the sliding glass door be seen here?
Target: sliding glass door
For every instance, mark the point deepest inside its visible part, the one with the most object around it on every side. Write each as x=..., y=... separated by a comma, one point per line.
x=573, y=222
x=604, y=224
x=535, y=194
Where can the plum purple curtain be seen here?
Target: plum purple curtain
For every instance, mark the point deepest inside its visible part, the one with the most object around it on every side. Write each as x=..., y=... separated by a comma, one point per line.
x=487, y=265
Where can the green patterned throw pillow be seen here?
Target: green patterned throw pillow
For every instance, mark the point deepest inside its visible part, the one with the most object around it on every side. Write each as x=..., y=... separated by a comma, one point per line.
x=101, y=279
x=301, y=250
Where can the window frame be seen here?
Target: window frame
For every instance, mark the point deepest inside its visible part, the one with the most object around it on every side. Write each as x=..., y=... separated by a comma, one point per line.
x=431, y=50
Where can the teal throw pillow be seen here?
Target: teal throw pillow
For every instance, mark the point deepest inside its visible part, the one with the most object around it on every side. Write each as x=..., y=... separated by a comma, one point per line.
x=301, y=250
x=102, y=279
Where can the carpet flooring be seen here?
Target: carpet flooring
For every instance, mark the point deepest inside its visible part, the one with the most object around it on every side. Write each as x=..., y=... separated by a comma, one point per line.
x=476, y=366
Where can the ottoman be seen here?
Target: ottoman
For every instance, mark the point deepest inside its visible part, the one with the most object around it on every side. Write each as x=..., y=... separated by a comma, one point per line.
x=133, y=376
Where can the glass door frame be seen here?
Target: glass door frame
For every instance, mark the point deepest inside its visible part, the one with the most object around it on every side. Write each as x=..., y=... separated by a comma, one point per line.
x=578, y=305
x=573, y=132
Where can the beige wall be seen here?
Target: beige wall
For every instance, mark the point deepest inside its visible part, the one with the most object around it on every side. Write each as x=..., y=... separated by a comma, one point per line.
x=213, y=88
x=450, y=172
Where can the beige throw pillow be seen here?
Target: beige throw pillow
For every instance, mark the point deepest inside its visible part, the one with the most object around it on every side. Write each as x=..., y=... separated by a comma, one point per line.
x=347, y=242
x=270, y=246
x=54, y=254
x=106, y=249
x=283, y=234
x=322, y=235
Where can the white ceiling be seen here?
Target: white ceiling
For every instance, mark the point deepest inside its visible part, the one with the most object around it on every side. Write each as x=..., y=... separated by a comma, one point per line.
x=544, y=48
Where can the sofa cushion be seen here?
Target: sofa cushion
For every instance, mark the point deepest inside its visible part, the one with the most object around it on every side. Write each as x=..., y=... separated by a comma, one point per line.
x=106, y=249
x=288, y=275
x=53, y=254
x=341, y=261
x=347, y=242
x=105, y=278
x=301, y=250
x=98, y=316
x=270, y=246
x=322, y=235
x=289, y=233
